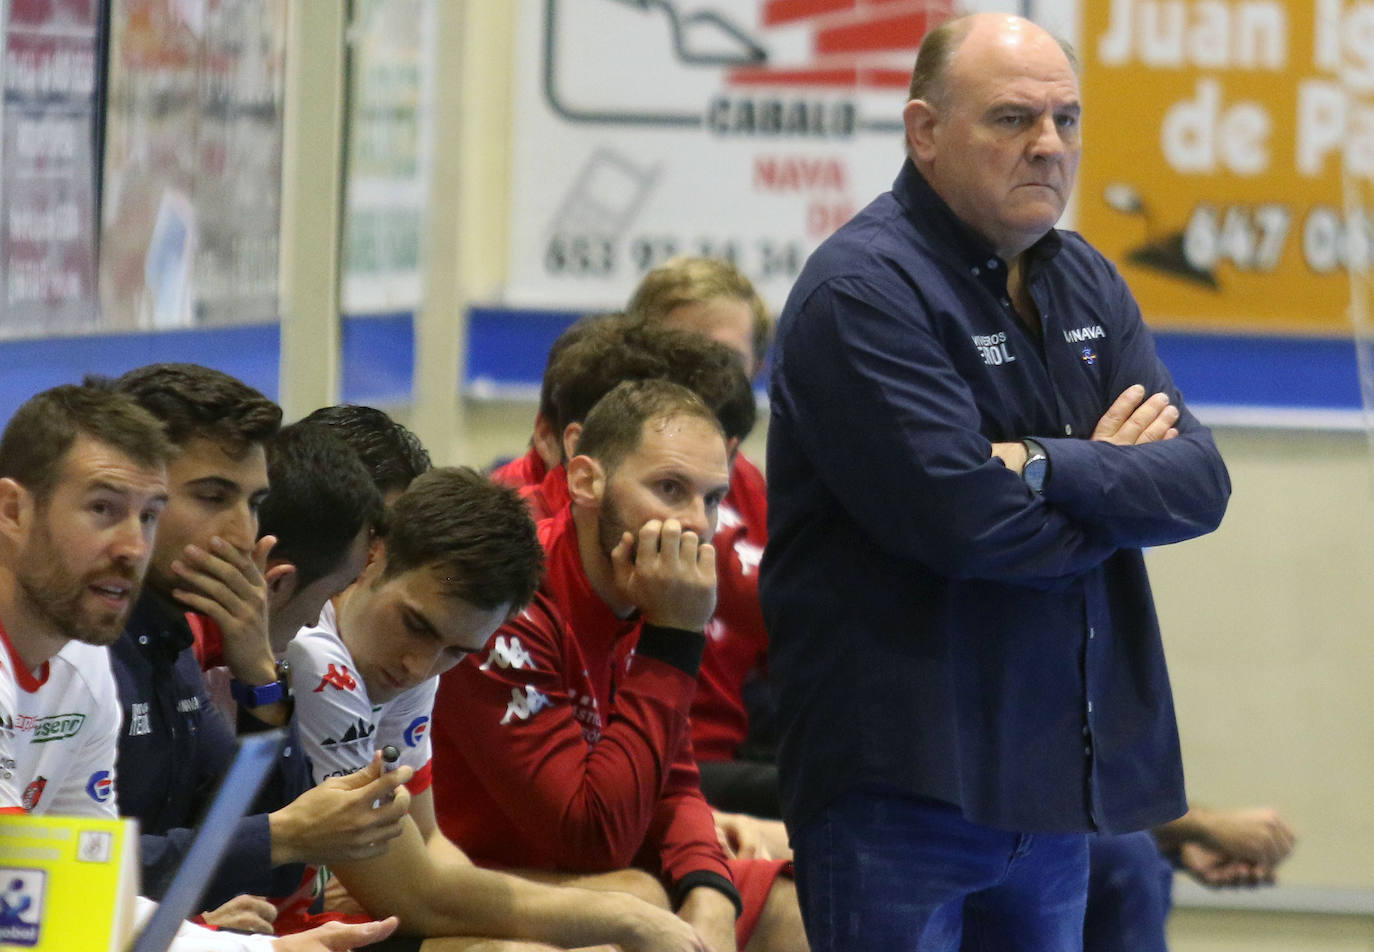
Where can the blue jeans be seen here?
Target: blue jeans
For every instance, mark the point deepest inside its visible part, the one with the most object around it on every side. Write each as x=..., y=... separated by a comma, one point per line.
x=1130, y=888
x=883, y=871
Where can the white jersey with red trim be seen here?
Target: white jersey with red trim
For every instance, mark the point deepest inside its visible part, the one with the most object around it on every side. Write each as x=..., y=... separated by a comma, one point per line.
x=339, y=725
x=59, y=732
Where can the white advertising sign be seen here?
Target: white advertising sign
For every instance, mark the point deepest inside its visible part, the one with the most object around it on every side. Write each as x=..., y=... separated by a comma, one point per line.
x=746, y=129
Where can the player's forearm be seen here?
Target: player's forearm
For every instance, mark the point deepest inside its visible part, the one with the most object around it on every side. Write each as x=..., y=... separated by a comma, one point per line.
x=459, y=899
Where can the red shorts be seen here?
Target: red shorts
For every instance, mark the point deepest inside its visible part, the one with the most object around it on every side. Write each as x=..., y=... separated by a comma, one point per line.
x=754, y=879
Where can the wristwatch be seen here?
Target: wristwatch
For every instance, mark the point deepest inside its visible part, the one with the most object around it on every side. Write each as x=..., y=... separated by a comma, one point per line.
x=1037, y=466
x=256, y=695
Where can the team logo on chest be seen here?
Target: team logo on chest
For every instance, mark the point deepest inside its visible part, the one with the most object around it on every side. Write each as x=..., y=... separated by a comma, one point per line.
x=995, y=349
x=139, y=721
x=1080, y=334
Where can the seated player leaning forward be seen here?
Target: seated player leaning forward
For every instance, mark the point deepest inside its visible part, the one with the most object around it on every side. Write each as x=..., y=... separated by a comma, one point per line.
x=82, y=484
x=733, y=717
x=460, y=555
x=555, y=752
x=587, y=362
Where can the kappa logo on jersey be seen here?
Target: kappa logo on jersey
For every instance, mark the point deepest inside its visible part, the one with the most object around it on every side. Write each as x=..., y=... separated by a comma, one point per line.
x=727, y=518
x=524, y=704
x=506, y=654
x=356, y=731
x=417, y=731
x=33, y=793
x=337, y=677
x=750, y=555
x=57, y=727
x=100, y=787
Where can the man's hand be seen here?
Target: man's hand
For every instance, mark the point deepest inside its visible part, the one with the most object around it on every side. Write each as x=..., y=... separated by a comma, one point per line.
x=741, y=836
x=1259, y=836
x=657, y=930
x=245, y=914
x=1012, y=455
x=712, y=915
x=336, y=821
x=670, y=576
x=231, y=587
x=1133, y=420
x=337, y=936
x=1217, y=870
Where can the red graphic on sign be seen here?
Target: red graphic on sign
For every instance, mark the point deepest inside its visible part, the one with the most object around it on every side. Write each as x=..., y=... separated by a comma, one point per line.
x=855, y=43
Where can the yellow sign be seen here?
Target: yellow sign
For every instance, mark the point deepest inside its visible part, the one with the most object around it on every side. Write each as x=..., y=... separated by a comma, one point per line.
x=66, y=883
x=1216, y=137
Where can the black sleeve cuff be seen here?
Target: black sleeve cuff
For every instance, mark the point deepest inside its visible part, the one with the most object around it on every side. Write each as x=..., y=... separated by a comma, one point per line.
x=677, y=646
x=704, y=877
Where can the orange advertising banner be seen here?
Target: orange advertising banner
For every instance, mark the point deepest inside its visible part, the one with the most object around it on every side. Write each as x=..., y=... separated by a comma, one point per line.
x=1219, y=141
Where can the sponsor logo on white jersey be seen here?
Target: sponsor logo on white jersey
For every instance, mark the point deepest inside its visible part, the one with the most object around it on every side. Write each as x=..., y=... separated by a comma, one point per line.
x=358, y=730
x=57, y=727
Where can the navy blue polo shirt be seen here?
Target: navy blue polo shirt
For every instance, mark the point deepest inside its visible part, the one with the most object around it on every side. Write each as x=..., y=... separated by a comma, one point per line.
x=174, y=748
x=937, y=628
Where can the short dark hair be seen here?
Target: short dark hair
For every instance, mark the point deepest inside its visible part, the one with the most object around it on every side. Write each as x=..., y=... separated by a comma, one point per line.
x=392, y=454
x=41, y=432
x=196, y=402
x=690, y=280
x=614, y=428
x=571, y=335
x=320, y=497
x=614, y=352
x=477, y=534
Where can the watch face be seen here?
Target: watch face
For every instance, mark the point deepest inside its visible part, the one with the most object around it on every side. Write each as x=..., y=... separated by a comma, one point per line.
x=1034, y=473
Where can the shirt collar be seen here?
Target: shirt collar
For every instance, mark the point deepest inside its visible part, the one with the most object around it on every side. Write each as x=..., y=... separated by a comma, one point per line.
x=29, y=681
x=162, y=620
x=936, y=221
x=593, y=623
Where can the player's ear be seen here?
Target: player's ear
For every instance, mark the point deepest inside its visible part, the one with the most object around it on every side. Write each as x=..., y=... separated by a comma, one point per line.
x=571, y=434
x=546, y=442
x=16, y=511
x=586, y=480
x=919, y=118
x=281, y=580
